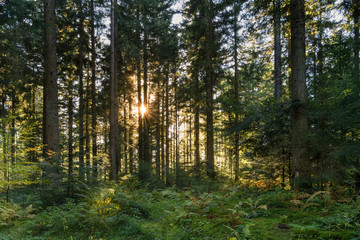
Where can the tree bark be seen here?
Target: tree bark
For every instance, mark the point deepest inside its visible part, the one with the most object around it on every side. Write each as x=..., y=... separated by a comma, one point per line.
x=70, y=137
x=51, y=116
x=236, y=93
x=197, y=119
x=13, y=130
x=114, y=107
x=167, y=125
x=81, y=99
x=356, y=41
x=209, y=80
x=158, y=127
x=93, y=94
x=301, y=164
x=131, y=153
x=145, y=165
x=87, y=133
x=277, y=51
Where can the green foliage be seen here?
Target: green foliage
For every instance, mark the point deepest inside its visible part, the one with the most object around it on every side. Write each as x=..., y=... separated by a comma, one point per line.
x=122, y=212
x=10, y=214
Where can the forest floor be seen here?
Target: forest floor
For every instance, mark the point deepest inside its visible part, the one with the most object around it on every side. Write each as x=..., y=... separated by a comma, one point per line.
x=207, y=210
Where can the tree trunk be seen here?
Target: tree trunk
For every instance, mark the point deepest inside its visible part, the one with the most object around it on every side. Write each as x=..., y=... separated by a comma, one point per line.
x=125, y=132
x=177, y=165
x=197, y=120
x=145, y=166
x=236, y=94
x=209, y=80
x=70, y=137
x=277, y=51
x=87, y=133
x=167, y=125
x=4, y=153
x=356, y=42
x=131, y=153
x=93, y=94
x=13, y=130
x=163, y=146
x=157, y=101
x=51, y=116
x=301, y=164
x=114, y=108
x=81, y=100
x=140, y=119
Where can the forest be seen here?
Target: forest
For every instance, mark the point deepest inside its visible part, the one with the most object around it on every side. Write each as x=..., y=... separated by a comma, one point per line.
x=179, y=119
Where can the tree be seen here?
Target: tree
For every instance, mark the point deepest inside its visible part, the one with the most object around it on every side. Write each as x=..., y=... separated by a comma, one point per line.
x=114, y=108
x=277, y=50
x=301, y=164
x=93, y=92
x=51, y=116
x=236, y=87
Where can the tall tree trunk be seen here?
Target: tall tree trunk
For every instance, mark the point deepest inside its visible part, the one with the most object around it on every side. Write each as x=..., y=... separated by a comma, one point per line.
x=277, y=68
x=70, y=137
x=93, y=93
x=236, y=92
x=209, y=80
x=177, y=165
x=356, y=15
x=131, y=153
x=301, y=164
x=87, y=133
x=13, y=130
x=51, y=116
x=4, y=153
x=167, y=125
x=140, y=102
x=114, y=107
x=277, y=51
x=197, y=119
x=157, y=101
x=163, y=146
x=125, y=132
x=145, y=166
x=81, y=98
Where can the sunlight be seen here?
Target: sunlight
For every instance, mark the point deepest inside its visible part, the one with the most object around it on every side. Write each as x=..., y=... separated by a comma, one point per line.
x=142, y=110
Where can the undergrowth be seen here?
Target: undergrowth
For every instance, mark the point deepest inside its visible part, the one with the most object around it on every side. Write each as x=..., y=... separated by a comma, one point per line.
x=228, y=211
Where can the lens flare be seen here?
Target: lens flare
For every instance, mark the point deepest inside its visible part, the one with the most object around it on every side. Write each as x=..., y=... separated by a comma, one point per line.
x=142, y=110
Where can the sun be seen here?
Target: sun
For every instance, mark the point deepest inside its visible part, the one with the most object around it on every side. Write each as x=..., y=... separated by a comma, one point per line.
x=142, y=110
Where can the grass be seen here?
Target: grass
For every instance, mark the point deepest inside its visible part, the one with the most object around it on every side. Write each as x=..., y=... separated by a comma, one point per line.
x=201, y=212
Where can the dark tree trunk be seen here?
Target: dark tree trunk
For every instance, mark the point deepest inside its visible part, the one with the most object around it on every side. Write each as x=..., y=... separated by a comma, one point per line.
x=177, y=164
x=81, y=100
x=145, y=165
x=70, y=137
x=163, y=173
x=87, y=133
x=277, y=51
x=197, y=120
x=140, y=120
x=4, y=153
x=209, y=82
x=114, y=107
x=93, y=94
x=236, y=93
x=158, y=140
x=356, y=15
x=131, y=153
x=13, y=130
x=167, y=125
x=51, y=116
x=125, y=133
x=301, y=164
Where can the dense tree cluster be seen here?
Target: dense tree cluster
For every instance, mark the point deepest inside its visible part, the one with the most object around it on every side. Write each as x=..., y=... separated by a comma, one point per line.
x=101, y=90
